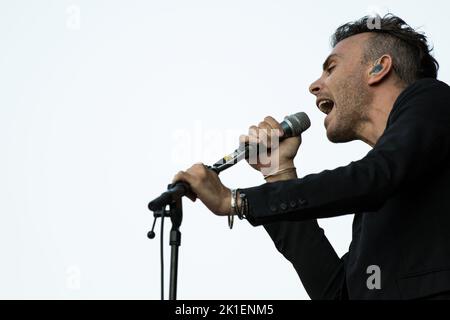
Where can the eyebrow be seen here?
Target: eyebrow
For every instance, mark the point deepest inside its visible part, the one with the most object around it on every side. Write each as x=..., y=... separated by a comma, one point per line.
x=327, y=61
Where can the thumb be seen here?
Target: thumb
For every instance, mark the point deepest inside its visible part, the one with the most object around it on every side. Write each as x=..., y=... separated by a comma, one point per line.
x=183, y=176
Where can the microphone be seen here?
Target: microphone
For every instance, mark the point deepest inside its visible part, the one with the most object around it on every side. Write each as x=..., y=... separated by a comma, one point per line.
x=292, y=126
x=295, y=124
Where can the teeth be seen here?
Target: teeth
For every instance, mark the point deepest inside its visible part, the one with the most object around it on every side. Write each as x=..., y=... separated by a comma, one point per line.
x=326, y=105
x=325, y=102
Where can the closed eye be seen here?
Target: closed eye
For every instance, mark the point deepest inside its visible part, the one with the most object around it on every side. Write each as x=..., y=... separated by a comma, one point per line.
x=330, y=69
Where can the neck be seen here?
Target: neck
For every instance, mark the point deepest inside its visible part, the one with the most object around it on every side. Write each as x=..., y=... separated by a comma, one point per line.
x=375, y=121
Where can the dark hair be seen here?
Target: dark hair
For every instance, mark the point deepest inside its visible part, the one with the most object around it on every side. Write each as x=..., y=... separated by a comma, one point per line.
x=391, y=35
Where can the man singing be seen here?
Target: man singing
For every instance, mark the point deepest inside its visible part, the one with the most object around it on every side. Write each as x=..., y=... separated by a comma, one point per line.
x=378, y=85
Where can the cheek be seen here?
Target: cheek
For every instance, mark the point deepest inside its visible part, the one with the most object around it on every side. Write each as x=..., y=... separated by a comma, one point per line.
x=334, y=84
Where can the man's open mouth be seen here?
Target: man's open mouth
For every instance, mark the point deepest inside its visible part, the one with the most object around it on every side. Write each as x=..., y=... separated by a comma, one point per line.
x=325, y=105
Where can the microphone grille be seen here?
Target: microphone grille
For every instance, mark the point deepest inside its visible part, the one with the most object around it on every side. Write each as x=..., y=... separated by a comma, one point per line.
x=298, y=122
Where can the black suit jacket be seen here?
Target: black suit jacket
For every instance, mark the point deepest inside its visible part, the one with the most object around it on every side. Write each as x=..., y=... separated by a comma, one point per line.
x=400, y=194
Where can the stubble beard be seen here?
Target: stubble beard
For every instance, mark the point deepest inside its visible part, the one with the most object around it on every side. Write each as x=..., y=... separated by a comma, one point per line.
x=352, y=100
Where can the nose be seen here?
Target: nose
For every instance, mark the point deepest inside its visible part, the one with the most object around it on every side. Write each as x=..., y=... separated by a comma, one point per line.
x=315, y=87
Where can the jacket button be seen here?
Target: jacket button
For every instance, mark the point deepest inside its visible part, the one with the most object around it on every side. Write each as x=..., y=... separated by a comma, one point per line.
x=283, y=206
x=293, y=204
x=273, y=208
x=302, y=202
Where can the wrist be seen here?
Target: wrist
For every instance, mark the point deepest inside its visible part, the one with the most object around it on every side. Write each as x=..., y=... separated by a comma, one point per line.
x=292, y=174
x=286, y=171
x=226, y=205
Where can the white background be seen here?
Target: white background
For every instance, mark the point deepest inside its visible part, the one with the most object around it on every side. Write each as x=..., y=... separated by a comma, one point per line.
x=102, y=102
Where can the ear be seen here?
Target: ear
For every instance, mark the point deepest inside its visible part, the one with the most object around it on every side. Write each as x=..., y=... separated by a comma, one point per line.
x=380, y=70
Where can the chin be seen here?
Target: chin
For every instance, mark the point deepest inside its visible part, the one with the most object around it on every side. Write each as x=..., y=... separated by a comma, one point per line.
x=339, y=136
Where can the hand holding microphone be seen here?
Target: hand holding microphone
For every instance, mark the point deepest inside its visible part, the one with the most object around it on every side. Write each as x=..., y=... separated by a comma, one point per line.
x=289, y=142
x=203, y=182
x=259, y=143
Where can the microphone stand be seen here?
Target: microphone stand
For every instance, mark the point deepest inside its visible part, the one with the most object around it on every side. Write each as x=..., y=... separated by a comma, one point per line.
x=176, y=215
x=175, y=212
x=173, y=198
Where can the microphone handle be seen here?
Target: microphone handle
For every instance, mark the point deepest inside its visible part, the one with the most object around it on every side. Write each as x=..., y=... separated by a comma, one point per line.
x=230, y=160
x=242, y=152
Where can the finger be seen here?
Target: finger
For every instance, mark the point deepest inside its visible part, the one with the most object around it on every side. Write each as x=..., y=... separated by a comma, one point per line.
x=274, y=124
x=183, y=176
x=243, y=140
x=264, y=125
x=253, y=133
x=198, y=170
x=188, y=178
x=271, y=130
x=253, y=140
x=265, y=133
x=196, y=166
